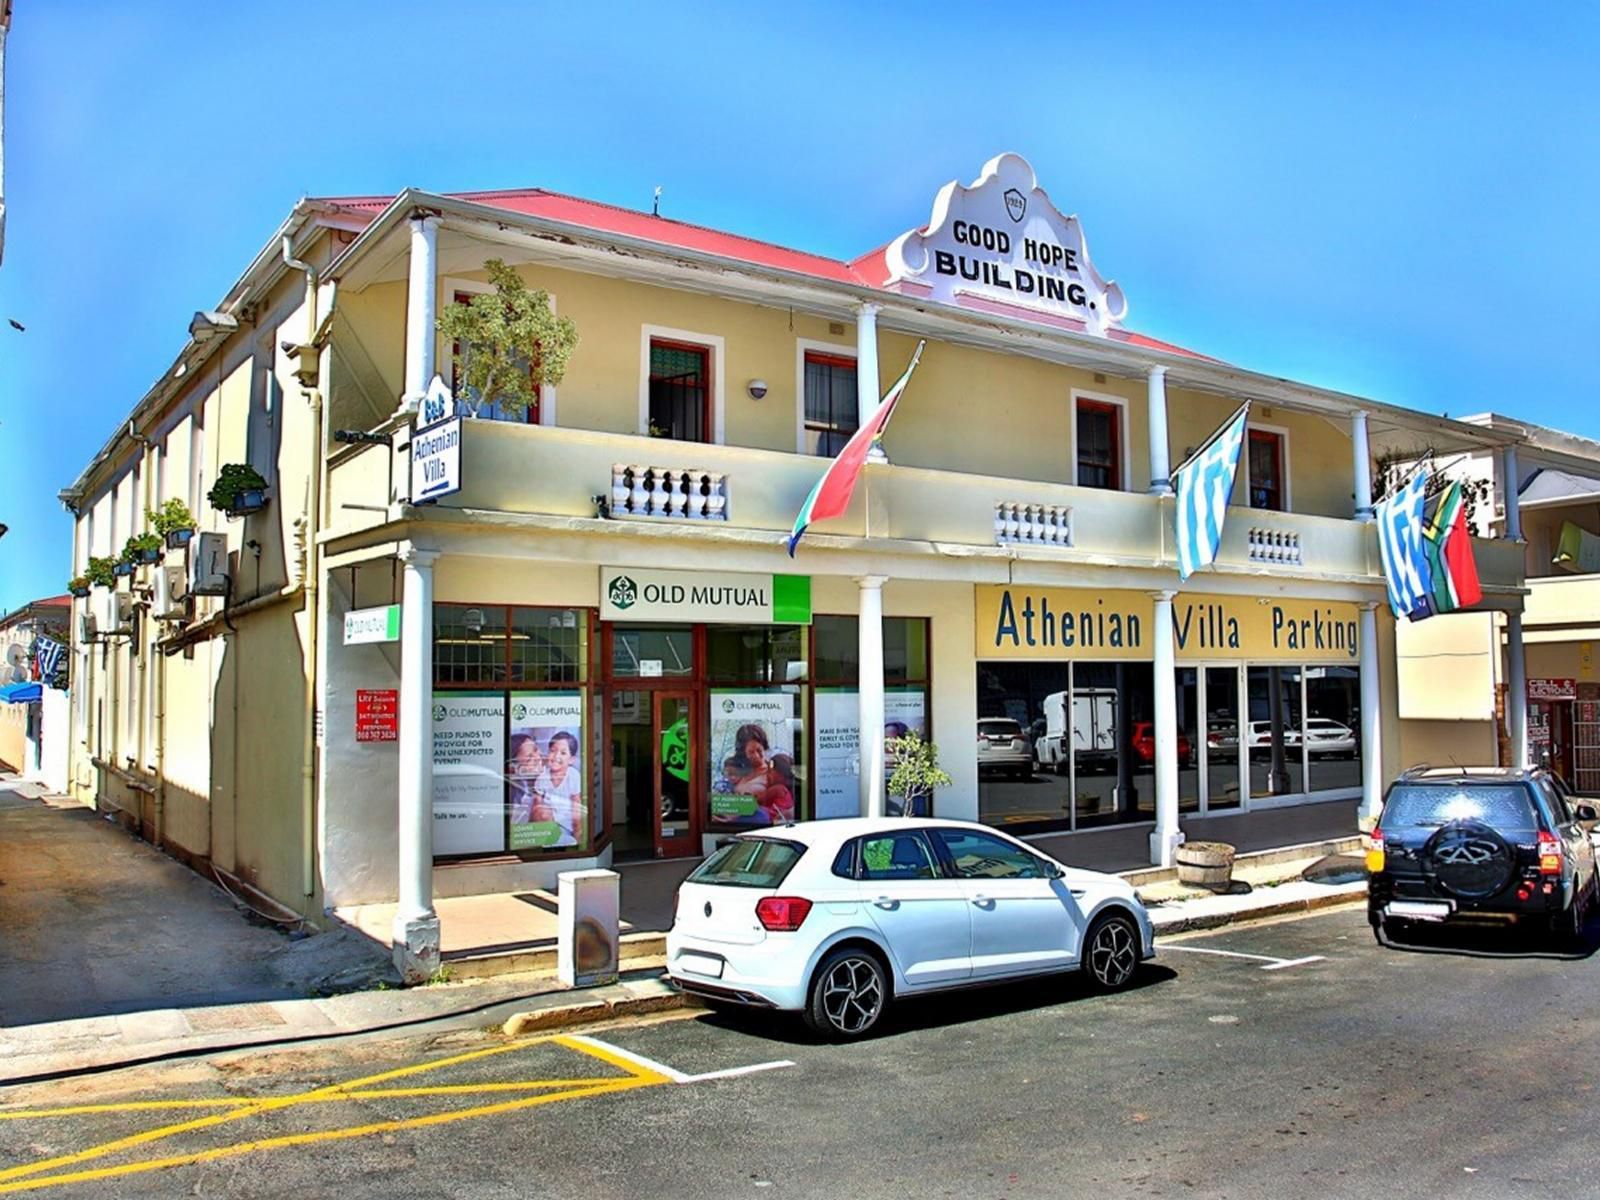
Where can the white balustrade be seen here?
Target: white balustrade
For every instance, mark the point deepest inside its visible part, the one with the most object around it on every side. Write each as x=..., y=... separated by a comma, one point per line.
x=1277, y=546
x=668, y=493
x=1032, y=524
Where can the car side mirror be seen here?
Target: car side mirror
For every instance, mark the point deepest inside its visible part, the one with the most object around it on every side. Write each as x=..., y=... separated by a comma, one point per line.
x=1588, y=812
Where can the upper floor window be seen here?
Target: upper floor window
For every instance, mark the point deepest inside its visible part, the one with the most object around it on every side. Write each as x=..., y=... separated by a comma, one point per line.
x=1266, y=470
x=1099, y=445
x=680, y=391
x=831, y=402
x=487, y=412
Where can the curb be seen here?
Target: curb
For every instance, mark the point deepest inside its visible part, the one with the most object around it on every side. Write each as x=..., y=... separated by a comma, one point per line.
x=647, y=997
x=1346, y=895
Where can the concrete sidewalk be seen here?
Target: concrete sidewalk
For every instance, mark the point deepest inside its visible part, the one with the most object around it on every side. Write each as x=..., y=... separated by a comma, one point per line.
x=520, y=1003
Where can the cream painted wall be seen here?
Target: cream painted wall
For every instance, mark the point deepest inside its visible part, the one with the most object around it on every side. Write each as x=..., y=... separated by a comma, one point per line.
x=1448, y=667
x=1441, y=743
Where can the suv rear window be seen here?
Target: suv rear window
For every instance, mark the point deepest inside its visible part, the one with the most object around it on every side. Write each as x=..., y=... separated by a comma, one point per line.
x=1000, y=728
x=1505, y=806
x=750, y=862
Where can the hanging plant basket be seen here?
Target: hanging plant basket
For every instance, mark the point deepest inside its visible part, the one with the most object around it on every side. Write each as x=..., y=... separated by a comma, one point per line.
x=239, y=490
x=142, y=548
x=100, y=572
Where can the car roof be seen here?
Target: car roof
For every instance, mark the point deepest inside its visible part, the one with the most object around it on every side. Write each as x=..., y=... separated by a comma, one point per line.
x=840, y=829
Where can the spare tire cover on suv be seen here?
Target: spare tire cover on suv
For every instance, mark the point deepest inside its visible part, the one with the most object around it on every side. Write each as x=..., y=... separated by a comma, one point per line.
x=1469, y=860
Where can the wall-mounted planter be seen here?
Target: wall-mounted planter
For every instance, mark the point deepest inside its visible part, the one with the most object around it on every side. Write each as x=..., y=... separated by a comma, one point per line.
x=177, y=539
x=250, y=500
x=122, y=569
x=150, y=556
x=79, y=592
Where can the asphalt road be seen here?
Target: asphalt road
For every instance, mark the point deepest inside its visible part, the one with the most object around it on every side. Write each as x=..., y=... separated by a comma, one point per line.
x=1366, y=1072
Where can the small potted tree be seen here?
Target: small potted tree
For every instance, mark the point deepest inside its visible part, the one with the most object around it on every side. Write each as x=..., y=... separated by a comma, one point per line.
x=915, y=775
x=173, y=523
x=78, y=587
x=239, y=490
x=511, y=343
x=142, y=548
x=101, y=572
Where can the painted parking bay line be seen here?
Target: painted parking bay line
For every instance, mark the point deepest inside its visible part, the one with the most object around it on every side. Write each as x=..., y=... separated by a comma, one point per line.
x=637, y=1072
x=1272, y=964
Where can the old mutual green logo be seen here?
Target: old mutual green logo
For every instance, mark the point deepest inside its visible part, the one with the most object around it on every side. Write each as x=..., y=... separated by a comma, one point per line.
x=623, y=592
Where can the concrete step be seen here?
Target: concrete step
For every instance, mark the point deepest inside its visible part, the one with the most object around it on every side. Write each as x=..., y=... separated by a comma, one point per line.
x=634, y=950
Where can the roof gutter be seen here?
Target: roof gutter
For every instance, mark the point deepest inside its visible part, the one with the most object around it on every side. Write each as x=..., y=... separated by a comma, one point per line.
x=258, y=280
x=909, y=315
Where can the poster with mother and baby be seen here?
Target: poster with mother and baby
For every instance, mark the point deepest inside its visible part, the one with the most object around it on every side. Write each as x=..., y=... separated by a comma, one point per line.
x=544, y=770
x=752, y=758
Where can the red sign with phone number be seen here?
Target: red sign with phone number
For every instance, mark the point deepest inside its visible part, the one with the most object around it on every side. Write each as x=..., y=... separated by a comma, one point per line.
x=377, y=714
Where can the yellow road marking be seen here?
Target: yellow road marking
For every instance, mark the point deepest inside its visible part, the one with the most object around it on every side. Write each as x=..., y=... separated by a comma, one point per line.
x=316, y=1095
x=75, y=1110
x=329, y=1135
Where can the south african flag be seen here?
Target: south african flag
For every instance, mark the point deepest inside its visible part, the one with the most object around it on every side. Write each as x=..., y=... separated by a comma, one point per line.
x=1447, y=543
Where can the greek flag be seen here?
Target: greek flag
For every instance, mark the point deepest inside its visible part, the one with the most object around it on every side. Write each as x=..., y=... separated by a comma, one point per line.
x=47, y=652
x=1401, y=529
x=1204, y=482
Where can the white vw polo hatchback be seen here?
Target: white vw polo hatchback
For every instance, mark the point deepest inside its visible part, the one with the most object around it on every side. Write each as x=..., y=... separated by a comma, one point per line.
x=834, y=919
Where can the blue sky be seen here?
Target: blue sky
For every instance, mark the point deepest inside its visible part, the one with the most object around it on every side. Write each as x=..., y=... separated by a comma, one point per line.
x=1393, y=200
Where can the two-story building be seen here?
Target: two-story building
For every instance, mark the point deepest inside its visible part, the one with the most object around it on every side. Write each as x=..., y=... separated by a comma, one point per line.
x=576, y=637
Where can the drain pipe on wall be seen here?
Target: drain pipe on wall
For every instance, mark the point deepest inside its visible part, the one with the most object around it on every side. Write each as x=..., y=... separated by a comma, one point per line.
x=308, y=370
x=150, y=661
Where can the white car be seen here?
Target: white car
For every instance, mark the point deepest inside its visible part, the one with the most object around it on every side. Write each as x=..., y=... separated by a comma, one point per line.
x=834, y=919
x=1002, y=746
x=1324, y=736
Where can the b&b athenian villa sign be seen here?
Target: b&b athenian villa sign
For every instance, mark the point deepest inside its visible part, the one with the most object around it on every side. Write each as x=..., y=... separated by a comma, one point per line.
x=999, y=244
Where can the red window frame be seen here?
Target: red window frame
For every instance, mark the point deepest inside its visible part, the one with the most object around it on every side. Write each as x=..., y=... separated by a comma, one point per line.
x=1270, y=494
x=1114, y=467
x=709, y=433
x=533, y=415
x=824, y=359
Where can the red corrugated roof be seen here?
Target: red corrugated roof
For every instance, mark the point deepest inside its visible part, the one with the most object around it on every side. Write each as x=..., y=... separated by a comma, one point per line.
x=870, y=270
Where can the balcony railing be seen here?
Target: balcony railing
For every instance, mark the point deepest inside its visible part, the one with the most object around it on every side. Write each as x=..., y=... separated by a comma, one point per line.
x=581, y=473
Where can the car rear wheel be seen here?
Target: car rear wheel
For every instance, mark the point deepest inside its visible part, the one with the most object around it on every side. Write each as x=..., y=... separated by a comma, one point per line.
x=849, y=993
x=1111, y=952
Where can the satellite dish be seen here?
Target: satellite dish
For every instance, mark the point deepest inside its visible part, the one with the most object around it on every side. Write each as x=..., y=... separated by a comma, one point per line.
x=17, y=661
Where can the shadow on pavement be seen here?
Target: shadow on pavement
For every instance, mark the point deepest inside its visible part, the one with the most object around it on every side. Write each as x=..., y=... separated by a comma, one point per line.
x=1487, y=941
x=957, y=1007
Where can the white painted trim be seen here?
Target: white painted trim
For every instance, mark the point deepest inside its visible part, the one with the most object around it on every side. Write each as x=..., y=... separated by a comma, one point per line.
x=449, y=285
x=1124, y=435
x=801, y=346
x=1283, y=434
x=719, y=394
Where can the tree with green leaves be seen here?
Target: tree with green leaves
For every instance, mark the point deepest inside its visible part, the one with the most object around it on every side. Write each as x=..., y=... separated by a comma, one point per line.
x=511, y=343
x=916, y=772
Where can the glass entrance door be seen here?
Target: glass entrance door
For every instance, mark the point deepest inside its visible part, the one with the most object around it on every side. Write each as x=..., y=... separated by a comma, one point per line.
x=675, y=740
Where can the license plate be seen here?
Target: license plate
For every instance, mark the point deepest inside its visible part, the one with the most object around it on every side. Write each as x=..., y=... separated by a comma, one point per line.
x=1418, y=910
x=700, y=964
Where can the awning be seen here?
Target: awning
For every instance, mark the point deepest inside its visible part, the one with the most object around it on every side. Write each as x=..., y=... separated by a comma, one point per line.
x=1550, y=487
x=21, y=693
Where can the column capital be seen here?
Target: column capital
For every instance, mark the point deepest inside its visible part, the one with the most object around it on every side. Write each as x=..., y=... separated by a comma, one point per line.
x=868, y=309
x=872, y=581
x=1157, y=371
x=424, y=219
x=1163, y=594
x=1369, y=605
x=416, y=556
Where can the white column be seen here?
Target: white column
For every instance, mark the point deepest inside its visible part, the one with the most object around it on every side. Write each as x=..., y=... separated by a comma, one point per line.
x=1371, y=720
x=867, y=396
x=1512, y=481
x=1516, y=690
x=1160, y=464
x=420, y=316
x=869, y=692
x=416, y=925
x=1362, y=450
x=1165, y=838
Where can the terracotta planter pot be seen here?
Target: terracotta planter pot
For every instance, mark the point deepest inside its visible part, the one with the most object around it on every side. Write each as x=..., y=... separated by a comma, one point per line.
x=1205, y=864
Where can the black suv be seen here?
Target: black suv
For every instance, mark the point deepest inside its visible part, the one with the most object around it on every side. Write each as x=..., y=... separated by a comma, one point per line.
x=1485, y=842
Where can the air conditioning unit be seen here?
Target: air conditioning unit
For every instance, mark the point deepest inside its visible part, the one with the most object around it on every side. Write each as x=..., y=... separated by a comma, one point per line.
x=172, y=586
x=88, y=627
x=116, y=614
x=208, y=565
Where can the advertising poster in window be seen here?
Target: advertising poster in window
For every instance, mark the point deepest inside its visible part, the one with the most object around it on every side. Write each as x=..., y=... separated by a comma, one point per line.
x=838, y=742
x=469, y=792
x=544, y=770
x=752, y=758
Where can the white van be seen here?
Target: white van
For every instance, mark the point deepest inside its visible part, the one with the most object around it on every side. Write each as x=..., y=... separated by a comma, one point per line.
x=1092, y=728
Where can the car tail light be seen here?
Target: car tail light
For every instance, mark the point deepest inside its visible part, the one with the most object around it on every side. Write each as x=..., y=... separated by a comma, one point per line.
x=1549, y=854
x=1375, y=853
x=782, y=914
